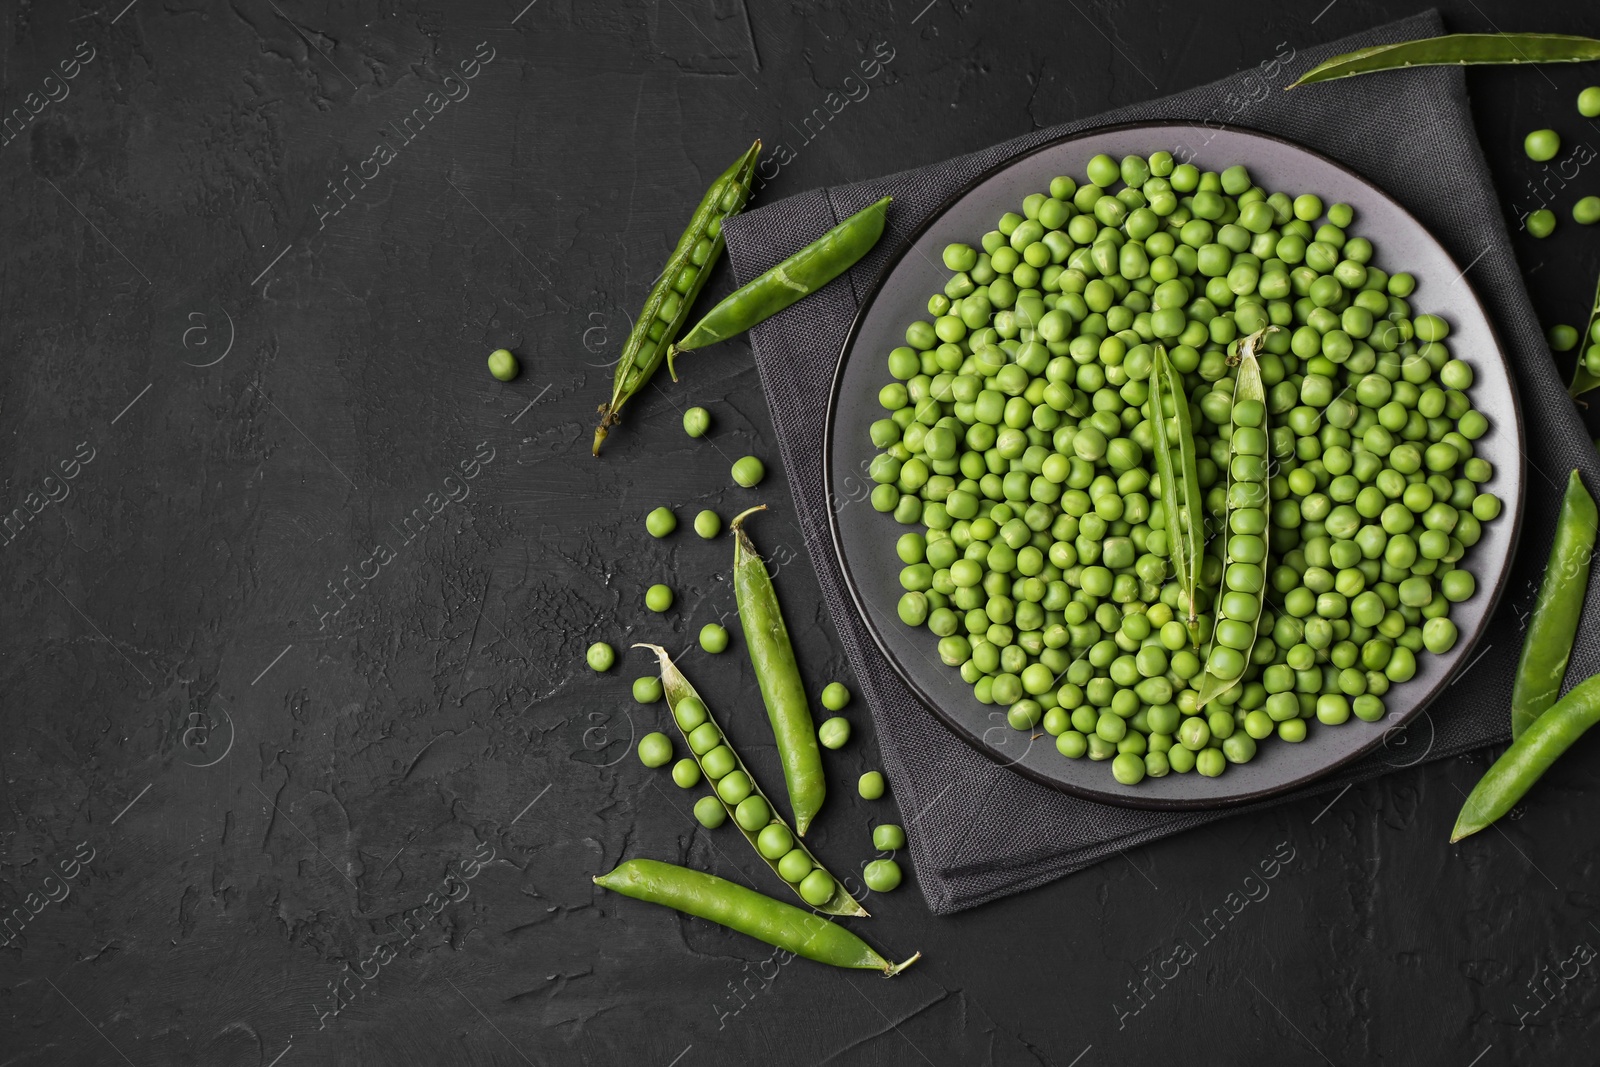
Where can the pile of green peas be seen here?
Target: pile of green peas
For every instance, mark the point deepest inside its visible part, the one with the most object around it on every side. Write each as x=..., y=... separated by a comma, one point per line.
x=1017, y=440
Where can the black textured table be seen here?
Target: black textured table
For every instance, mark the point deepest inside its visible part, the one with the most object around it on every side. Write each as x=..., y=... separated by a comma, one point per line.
x=301, y=760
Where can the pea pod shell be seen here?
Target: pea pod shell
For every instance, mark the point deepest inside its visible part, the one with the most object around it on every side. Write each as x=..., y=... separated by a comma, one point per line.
x=1457, y=49
x=641, y=356
x=1553, y=626
x=778, y=675
x=1582, y=379
x=678, y=689
x=705, y=896
x=1247, y=386
x=799, y=276
x=1178, y=483
x=1529, y=756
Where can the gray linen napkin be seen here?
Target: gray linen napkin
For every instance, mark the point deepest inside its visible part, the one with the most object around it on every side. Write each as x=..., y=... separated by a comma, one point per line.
x=978, y=831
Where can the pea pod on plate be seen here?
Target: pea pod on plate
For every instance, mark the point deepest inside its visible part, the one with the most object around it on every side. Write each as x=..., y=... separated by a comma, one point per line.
x=799, y=276
x=705, y=896
x=680, y=282
x=1180, y=482
x=1244, y=573
x=1552, y=627
x=744, y=800
x=778, y=675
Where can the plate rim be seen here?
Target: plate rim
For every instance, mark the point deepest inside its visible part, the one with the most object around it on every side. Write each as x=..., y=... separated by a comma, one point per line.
x=1124, y=800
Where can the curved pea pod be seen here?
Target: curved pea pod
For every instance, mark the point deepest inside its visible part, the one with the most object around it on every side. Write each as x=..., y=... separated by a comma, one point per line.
x=1529, y=756
x=1457, y=49
x=797, y=277
x=778, y=675
x=1247, y=491
x=1584, y=376
x=1180, y=482
x=674, y=291
x=678, y=690
x=1553, y=625
x=705, y=896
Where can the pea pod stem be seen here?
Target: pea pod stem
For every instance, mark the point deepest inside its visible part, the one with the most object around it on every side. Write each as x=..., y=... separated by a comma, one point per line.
x=1529, y=756
x=678, y=689
x=795, y=278
x=1583, y=379
x=1247, y=386
x=778, y=675
x=681, y=280
x=1553, y=626
x=784, y=926
x=1457, y=49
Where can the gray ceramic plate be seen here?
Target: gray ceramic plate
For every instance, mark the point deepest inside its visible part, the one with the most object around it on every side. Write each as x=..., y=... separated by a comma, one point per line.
x=865, y=539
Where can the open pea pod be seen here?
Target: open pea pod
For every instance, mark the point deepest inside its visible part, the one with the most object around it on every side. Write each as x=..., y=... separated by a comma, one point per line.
x=1584, y=379
x=1243, y=591
x=678, y=692
x=1180, y=482
x=1457, y=49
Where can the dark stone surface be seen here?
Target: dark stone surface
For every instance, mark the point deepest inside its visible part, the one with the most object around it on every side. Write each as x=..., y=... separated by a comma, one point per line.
x=243, y=784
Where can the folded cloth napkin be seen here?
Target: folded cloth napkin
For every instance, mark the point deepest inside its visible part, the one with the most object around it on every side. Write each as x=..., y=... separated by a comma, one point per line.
x=978, y=831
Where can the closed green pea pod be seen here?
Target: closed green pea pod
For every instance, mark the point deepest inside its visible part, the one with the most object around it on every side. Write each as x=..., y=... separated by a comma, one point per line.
x=1553, y=625
x=729, y=904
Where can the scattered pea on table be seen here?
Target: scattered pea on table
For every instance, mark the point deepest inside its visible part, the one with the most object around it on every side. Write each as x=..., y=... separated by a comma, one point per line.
x=660, y=522
x=655, y=749
x=696, y=421
x=881, y=876
x=1541, y=223
x=658, y=597
x=601, y=656
x=749, y=471
x=1542, y=145
x=714, y=638
x=1589, y=102
x=686, y=773
x=835, y=696
x=647, y=689
x=502, y=364
x=708, y=524
x=834, y=733
x=888, y=837
x=710, y=812
x=871, y=785
x=1586, y=212
x=1562, y=338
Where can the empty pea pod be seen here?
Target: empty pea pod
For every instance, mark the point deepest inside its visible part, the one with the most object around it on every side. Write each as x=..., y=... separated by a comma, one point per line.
x=1553, y=626
x=778, y=676
x=799, y=276
x=667, y=306
x=705, y=896
x=1180, y=482
x=719, y=762
x=1243, y=586
x=1457, y=49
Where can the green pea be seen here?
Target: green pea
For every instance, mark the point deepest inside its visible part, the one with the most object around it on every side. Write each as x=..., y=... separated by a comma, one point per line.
x=1542, y=145
x=871, y=785
x=835, y=696
x=795, y=865
x=714, y=638
x=691, y=714
x=703, y=738
x=710, y=813
x=719, y=762
x=655, y=749
x=660, y=522
x=686, y=773
x=817, y=888
x=734, y=787
x=600, y=656
x=834, y=732
x=657, y=598
x=752, y=813
x=697, y=420
x=775, y=841
x=708, y=524
x=647, y=690
x=888, y=837
x=880, y=876
x=749, y=471
x=502, y=364
x=1540, y=223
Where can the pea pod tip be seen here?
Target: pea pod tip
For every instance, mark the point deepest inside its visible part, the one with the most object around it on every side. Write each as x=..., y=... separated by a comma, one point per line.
x=738, y=520
x=895, y=968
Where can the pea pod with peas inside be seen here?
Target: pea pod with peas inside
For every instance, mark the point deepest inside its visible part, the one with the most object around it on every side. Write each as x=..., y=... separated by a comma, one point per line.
x=743, y=799
x=670, y=299
x=799, y=276
x=726, y=903
x=1529, y=756
x=1553, y=625
x=778, y=675
x=1243, y=577
x=1586, y=374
